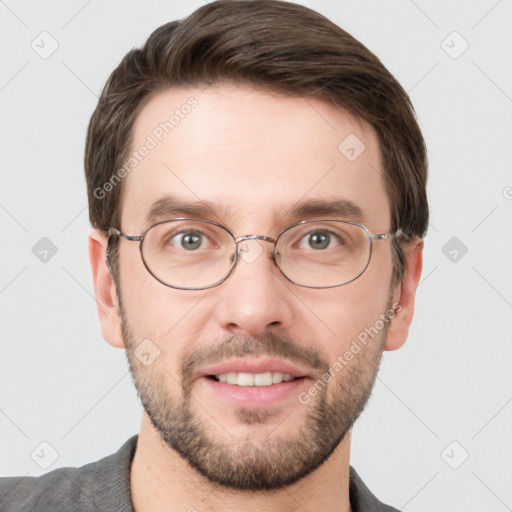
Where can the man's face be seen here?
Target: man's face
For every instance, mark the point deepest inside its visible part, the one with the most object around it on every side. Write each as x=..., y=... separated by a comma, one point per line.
x=254, y=156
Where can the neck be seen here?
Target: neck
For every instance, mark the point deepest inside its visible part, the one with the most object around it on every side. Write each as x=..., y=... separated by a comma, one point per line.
x=161, y=481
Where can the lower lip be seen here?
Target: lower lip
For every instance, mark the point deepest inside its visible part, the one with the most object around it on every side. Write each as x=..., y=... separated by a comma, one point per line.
x=254, y=396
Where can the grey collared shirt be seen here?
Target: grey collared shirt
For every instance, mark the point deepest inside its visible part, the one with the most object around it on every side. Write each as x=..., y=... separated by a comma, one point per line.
x=104, y=486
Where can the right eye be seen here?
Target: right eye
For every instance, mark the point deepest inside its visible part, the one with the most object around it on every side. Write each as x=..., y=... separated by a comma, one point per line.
x=189, y=240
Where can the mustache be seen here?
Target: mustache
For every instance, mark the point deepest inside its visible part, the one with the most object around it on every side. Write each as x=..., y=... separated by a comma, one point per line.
x=238, y=345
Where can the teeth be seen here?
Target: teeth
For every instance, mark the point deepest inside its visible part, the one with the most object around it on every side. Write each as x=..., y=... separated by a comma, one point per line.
x=245, y=379
x=254, y=379
x=277, y=377
x=231, y=378
x=263, y=379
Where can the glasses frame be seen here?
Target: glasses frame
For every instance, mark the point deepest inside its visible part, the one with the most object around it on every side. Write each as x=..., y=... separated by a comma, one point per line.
x=273, y=256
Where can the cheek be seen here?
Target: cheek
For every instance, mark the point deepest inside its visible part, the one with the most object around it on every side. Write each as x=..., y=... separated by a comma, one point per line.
x=374, y=285
x=164, y=315
x=136, y=289
x=145, y=300
x=350, y=311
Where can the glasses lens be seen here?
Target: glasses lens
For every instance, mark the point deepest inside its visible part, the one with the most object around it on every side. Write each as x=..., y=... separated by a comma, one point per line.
x=323, y=254
x=188, y=254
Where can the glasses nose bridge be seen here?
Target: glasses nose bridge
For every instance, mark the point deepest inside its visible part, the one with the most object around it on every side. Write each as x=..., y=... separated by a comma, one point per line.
x=254, y=237
x=244, y=238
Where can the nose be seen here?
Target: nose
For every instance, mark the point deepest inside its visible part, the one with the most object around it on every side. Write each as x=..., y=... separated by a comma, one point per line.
x=255, y=297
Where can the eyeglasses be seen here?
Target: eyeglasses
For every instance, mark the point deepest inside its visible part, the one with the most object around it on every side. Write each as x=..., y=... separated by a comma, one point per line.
x=193, y=254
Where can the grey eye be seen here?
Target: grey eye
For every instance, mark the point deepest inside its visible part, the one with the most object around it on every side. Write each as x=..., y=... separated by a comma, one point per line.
x=188, y=240
x=319, y=240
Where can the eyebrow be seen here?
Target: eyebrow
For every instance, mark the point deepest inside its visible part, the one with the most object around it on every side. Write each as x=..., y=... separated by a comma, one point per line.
x=315, y=208
x=171, y=205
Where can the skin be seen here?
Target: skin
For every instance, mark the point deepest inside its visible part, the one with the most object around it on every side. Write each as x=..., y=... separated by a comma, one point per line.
x=252, y=153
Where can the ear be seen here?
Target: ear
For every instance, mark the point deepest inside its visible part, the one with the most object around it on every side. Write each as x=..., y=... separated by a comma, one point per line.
x=105, y=290
x=404, y=295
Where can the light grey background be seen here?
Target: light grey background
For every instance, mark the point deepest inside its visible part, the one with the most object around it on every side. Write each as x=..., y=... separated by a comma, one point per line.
x=62, y=384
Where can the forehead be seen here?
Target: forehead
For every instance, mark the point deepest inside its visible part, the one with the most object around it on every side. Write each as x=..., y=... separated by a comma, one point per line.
x=250, y=159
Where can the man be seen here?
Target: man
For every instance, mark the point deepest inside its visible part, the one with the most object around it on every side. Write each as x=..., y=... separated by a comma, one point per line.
x=256, y=185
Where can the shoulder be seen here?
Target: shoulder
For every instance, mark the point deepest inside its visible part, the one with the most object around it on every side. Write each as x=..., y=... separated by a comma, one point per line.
x=362, y=499
x=97, y=485
x=51, y=491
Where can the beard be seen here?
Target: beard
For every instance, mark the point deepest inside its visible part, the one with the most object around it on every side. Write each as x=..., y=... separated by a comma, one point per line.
x=247, y=464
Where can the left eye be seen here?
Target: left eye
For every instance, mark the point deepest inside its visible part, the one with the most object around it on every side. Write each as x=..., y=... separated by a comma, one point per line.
x=188, y=240
x=319, y=240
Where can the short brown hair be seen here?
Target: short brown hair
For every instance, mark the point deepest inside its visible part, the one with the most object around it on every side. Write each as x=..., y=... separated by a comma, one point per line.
x=275, y=45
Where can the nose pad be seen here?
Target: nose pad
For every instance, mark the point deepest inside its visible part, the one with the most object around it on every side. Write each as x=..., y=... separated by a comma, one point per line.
x=250, y=252
x=244, y=252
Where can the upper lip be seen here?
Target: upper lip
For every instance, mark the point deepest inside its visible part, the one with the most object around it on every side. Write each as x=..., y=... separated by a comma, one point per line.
x=254, y=365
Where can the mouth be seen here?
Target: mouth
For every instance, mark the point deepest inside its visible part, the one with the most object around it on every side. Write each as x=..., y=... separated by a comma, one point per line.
x=253, y=379
x=254, y=382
